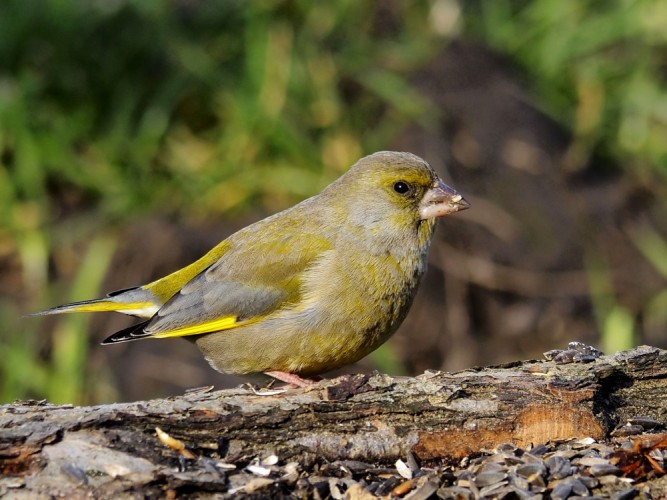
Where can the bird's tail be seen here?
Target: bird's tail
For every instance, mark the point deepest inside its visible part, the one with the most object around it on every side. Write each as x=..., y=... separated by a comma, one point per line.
x=132, y=301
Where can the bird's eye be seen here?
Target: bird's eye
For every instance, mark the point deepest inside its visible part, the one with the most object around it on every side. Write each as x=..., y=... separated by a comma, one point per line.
x=402, y=187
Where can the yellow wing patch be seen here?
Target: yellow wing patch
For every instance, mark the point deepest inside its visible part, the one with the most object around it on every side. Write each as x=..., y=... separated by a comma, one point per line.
x=210, y=326
x=167, y=287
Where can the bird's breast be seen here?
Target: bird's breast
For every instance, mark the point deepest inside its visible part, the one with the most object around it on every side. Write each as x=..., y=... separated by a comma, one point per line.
x=370, y=288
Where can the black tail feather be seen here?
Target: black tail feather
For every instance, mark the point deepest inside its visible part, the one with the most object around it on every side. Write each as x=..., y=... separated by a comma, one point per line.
x=134, y=332
x=71, y=307
x=121, y=291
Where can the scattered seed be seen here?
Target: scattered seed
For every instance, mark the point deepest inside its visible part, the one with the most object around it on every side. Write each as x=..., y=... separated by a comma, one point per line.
x=578, y=487
x=425, y=491
x=259, y=470
x=173, y=443
x=403, y=469
x=587, y=441
x=589, y=461
x=531, y=471
x=559, y=467
x=270, y=460
x=561, y=490
x=624, y=495
x=604, y=470
x=404, y=488
x=589, y=481
x=489, y=478
x=645, y=422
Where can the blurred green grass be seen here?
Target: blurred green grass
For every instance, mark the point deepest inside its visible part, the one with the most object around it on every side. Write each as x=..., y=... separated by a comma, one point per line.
x=598, y=67
x=199, y=110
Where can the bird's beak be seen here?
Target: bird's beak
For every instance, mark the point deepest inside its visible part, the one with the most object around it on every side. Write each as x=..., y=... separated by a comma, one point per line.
x=441, y=200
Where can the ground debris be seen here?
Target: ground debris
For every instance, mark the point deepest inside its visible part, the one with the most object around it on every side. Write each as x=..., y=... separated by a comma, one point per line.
x=563, y=469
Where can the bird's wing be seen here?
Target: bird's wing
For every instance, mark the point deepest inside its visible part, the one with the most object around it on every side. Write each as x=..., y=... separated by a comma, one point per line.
x=248, y=282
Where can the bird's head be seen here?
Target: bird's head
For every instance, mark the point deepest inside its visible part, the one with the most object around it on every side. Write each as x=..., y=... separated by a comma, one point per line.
x=398, y=190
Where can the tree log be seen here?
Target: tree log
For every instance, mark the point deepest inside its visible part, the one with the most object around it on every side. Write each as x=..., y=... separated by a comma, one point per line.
x=114, y=449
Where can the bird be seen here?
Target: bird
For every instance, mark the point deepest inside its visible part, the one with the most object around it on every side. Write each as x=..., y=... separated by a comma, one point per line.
x=307, y=290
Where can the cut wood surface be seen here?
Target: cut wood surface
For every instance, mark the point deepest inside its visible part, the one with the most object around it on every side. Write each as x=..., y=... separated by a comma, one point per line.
x=111, y=449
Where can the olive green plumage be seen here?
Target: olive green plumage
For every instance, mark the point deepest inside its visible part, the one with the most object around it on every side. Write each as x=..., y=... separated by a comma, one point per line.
x=307, y=290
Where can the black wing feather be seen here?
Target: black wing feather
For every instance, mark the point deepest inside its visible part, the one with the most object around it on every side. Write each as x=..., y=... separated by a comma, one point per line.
x=134, y=332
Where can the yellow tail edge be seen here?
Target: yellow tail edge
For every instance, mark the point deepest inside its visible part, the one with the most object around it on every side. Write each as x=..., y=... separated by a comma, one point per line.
x=97, y=305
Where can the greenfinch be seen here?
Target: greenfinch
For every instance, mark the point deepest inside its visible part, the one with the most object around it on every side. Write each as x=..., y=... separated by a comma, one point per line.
x=307, y=290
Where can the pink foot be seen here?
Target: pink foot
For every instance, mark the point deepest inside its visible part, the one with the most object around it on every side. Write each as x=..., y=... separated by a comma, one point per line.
x=291, y=379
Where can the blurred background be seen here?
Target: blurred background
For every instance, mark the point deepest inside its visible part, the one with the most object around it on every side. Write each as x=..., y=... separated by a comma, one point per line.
x=136, y=134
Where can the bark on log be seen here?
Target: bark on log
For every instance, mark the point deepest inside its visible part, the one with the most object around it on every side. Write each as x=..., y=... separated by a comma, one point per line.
x=113, y=449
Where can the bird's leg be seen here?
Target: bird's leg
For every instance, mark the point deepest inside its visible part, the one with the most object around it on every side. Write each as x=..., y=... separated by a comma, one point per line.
x=291, y=378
